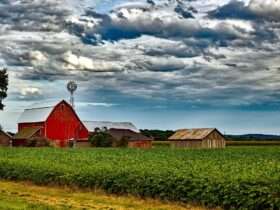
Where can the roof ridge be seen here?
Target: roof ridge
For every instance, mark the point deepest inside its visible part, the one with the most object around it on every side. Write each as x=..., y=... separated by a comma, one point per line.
x=198, y=128
x=46, y=104
x=43, y=107
x=106, y=121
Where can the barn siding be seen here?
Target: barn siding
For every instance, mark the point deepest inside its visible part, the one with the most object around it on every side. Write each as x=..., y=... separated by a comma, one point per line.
x=214, y=140
x=186, y=144
x=140, y=144
x=63, y=125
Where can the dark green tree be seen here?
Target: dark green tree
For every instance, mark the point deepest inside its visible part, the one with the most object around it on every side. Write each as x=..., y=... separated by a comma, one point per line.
x=101, y=139
x=3, y=86
x=158, y=135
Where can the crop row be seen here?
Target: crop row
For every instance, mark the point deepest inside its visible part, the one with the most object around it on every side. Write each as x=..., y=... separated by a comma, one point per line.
x=236, y=178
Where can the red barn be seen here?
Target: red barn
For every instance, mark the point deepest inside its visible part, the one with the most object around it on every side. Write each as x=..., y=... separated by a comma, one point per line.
x=57, y=122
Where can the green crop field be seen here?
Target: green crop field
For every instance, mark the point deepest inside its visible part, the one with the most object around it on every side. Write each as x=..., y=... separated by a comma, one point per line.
x=233, y=178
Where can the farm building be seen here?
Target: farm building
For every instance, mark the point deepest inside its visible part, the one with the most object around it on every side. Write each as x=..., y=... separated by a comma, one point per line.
x=26, y=133
x=198, y=138
x=5, y=138
x=57, y=122
x=135, y=140
x=121, y=130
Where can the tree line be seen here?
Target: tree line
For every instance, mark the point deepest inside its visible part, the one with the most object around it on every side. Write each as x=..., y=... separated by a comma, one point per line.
x=158, y=135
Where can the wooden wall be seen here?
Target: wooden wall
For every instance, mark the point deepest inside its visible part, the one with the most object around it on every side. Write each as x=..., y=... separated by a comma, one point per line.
x=140, y=144
x=214, y=140
x=186, y=144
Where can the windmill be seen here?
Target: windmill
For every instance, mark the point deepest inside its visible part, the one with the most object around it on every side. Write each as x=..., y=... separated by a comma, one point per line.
x=72, y=87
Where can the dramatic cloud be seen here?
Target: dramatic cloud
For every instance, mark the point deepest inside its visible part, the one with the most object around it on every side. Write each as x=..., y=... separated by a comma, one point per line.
x=38, y=15
x=266, y=8
x=75, y=62
x=214, y=53
x=255, y=9
x=172, y=21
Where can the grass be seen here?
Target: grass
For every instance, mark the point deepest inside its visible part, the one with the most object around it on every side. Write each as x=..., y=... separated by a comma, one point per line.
x=11, y=202
x=24, y=195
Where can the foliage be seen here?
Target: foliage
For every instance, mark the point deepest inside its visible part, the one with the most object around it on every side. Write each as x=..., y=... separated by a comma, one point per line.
x=105, y=139
x=101, y=139
x=37, y=142
x=253, y=137
x=233, y=178
x=158, y=135
x=3, y=86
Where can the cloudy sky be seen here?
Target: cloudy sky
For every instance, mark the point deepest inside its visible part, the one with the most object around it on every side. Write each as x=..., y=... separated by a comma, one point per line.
x=159, y=63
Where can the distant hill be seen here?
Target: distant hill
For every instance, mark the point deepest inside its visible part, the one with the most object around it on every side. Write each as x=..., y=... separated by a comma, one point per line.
x=253, y=137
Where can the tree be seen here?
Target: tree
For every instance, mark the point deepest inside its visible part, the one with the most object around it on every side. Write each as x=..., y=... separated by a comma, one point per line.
x=3, y=86
x=101, y=139
x=158, y=135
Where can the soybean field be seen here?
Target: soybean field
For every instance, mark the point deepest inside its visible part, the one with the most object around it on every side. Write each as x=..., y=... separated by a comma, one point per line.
x=231, y=178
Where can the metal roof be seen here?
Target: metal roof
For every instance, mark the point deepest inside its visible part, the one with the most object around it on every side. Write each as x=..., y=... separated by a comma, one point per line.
x=92, y=125
x=38, y=112
x=35, y=115
x=191, y=134
x=27, y=132
x=129, y=134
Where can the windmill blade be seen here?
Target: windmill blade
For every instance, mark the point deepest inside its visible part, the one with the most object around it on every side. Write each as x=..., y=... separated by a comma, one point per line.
x=72, y=87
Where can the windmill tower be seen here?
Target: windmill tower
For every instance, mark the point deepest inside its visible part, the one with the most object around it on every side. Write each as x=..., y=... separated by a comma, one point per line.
x=72, y=87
